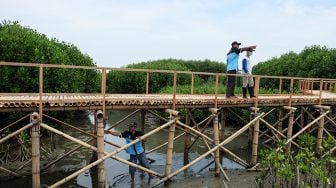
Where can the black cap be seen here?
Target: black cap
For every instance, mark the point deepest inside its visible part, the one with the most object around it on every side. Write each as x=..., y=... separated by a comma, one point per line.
x=133, y=124
x=235, y=42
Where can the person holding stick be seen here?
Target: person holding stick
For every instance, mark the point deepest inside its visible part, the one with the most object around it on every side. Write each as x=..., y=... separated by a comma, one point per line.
x=136, y=151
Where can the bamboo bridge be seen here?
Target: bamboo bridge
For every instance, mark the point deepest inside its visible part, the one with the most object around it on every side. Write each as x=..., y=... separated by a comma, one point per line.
x=310, y=107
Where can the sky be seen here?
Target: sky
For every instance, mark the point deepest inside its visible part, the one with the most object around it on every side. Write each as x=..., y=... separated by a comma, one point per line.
x=120, y=32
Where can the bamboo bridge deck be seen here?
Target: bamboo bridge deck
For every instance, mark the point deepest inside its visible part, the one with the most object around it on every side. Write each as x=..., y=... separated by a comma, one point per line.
x=30, y=102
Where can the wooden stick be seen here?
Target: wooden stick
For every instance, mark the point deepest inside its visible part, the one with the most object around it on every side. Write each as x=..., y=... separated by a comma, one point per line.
x=14, y=123
x=9, y=172
x=16, y=132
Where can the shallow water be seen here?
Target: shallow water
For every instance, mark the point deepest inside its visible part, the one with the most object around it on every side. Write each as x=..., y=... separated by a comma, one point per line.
x=117, y=173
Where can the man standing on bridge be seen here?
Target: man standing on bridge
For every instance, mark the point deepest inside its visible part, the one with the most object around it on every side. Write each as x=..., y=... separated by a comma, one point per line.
x=136, y=151
x=232, y=66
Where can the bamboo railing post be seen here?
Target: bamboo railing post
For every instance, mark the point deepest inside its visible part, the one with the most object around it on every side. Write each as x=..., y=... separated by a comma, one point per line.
x=255, y=141
x=291, y=91
x=170, y=147
x=214, y=112
x=35, y=139
x=256, y=90
x=290, y=127
x=280, y=86
x=147, y=83
x=192, y=83
x=320, y=94
x=103, y=89
x=40, y=91
x=186, y=139
x=100, y=149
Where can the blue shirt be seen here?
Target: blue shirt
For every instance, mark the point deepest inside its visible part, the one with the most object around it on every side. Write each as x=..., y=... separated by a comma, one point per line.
x=232, y=59
x=135, y=148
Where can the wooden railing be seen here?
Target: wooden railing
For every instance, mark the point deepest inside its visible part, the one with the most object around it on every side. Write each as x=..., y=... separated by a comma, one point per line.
x=304, y=86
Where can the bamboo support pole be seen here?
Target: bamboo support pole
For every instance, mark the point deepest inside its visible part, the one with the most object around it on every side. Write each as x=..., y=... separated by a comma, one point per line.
x=14, y=123
x=107, y=155
x=241, y=161
x=216, y=142
x=290, y=130
x=100, y=148
x=16, y=132
x=255, y=141
x=35, y=141
x=307, y=126
x=9, y=172
x=186, y=140
x=229, y=139
x=171, y=134
x=216, y=162
x=320, y=134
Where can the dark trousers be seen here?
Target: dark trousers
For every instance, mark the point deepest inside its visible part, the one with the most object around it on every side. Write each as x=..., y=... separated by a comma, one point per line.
x=142, y=160
x=230, y=83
